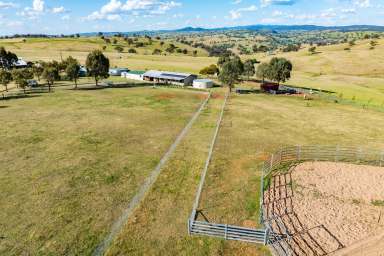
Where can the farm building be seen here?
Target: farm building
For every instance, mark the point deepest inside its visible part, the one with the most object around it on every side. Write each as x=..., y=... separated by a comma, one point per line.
x=202, y=83
x=117, y=71
x=169, y=77
x=134, y=75
x=20, y=63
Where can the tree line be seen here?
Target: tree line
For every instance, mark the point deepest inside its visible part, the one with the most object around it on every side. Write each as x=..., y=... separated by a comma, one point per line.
x=231, y=69
x=97, y=65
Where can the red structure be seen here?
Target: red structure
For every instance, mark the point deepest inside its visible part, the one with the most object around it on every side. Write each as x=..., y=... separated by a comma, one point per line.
x=268, y=86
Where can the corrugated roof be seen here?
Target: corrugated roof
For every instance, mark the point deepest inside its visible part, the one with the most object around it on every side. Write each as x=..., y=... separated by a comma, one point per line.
x=166, y=75
x=136, y=72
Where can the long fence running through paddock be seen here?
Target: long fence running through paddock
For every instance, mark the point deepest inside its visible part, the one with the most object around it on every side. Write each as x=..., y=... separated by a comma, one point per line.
x=278, y=235
x=224, y=231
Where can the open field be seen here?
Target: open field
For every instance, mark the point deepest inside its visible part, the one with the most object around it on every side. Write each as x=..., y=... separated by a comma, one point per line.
x=254, y=126
x=71, y=160
x=357, y=74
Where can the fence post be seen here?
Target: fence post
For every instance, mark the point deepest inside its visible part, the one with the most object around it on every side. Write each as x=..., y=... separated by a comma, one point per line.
x=226, y=231
x=298, y=157
x=266, y=236
x=272, y=159
x=337, y=154
x=262, y=195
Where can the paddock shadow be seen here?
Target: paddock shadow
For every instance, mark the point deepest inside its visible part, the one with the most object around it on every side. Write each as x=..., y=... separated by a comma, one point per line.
x=285, y=223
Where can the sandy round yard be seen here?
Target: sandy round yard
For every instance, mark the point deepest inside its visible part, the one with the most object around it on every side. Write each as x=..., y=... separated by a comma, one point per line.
x=331, y=208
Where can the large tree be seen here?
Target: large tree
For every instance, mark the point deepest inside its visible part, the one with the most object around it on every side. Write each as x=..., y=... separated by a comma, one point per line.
x=249, y=68
x=98, y=65
x=263, y=71
x=21, y=77
x=51, y=74
x=230, y=73
x=5, y=78
x=210, y=70
x=38, y=69
x=7, y=59
x=280, y=69
x=72, y=70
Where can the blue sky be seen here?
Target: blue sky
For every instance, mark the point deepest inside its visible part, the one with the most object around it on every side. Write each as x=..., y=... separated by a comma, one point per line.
x=72, y=16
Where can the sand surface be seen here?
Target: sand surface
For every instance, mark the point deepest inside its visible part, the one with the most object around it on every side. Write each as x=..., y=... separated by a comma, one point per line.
x=328, y=208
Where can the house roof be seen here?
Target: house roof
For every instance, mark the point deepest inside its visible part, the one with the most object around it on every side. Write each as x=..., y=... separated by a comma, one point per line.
x=167, y=75
x=136, y=72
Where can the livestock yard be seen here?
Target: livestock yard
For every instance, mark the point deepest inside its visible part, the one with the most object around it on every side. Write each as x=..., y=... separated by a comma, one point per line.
x=114, y=171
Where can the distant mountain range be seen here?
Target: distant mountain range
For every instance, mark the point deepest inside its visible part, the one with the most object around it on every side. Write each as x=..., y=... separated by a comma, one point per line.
x=264, y=28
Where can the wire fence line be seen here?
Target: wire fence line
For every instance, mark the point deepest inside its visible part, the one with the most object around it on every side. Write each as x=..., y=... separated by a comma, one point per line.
x=278, y=234
x=209, y=158
x=145, y=187
x=337, y=98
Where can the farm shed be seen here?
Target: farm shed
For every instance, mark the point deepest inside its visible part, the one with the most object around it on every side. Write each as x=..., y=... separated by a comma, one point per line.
x=20, y=63
x=169, y=77
x=134, y=75
x=117, y=71
x=202, y=83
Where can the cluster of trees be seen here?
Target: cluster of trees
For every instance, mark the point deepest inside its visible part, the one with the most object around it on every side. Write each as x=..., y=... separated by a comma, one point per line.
x=261, y=48
x=232, y=69
x=7, y=59
x=277, y=70
x=291, y=48
x=210, y=70
x=97, y=65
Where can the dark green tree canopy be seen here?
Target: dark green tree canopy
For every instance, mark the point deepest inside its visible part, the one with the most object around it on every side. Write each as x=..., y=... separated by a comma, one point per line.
x=210, y=70
x=249, y=68
x=280, y=69
x=263, y=71
x=5, y=78
x=7, y=59
x=97, y=65
x=21, y=77
x=72, y=70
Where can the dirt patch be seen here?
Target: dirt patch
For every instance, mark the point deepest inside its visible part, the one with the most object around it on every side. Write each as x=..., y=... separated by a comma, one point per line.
x=328, y=206
x=165, y=96
x=217, y=96
x=200, y=96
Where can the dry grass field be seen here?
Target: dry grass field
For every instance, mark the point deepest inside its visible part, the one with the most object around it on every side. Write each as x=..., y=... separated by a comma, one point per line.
x=356, y=74
x=71, y=160
x=254, y=126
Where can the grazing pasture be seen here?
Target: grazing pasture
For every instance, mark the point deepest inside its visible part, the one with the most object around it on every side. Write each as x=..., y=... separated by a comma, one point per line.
x=71, y=160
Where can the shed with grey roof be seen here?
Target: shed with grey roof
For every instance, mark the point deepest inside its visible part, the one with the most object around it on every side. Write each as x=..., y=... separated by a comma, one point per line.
x=169, y=77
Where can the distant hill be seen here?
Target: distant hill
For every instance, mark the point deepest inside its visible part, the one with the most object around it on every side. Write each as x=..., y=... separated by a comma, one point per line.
x=265, y=28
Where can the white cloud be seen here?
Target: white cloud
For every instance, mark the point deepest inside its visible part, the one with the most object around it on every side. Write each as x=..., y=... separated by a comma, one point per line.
x=6, y=5
x=277, y=13
x=349, y=11
x=236, y=14
x=60, y=9
x=66, y=17
x=363, y=3
x=277, y=2
x=115, y=8
x=237, y=1
x=38, y=5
